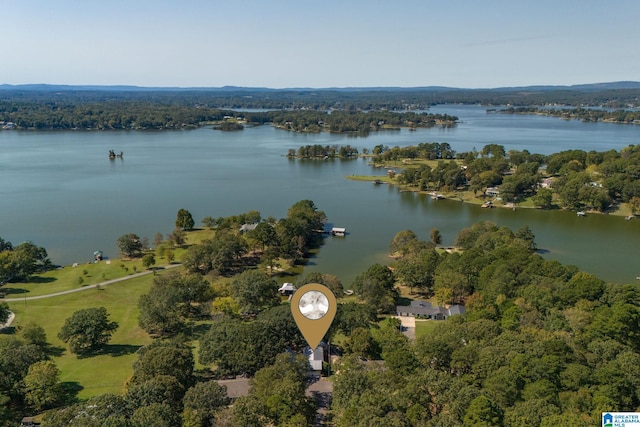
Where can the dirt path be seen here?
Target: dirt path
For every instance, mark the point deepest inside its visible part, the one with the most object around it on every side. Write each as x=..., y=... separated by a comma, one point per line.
x=84, y=288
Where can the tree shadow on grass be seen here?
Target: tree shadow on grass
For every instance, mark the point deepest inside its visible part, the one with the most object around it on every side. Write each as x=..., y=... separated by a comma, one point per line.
x=115, y=350
x=54, y=351
x=70, y=390
x=14, y=291
x=40, y=279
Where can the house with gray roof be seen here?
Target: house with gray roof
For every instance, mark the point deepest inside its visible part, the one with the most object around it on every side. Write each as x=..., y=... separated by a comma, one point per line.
x=425, y=310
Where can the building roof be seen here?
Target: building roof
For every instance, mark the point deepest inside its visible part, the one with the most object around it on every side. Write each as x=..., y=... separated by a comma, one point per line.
x=287, y=287
x=248, y=227
x=425, y=308
x=237, y=387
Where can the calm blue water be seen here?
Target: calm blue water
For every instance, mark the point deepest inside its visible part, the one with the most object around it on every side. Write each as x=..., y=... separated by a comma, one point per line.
x=59, y=189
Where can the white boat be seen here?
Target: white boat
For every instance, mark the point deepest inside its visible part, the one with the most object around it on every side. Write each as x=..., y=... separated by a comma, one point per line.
x=581, y=213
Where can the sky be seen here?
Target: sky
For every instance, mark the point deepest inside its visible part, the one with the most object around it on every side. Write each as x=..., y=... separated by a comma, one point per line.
x=319, y=44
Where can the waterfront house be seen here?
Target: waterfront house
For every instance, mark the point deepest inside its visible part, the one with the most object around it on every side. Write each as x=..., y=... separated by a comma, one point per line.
x=492, y=191
x=248, y=227
x=425, y=310
x=287, y=289
x=546, y=183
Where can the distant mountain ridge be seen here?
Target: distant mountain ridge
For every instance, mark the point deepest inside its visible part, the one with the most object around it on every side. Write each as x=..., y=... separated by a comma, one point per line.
x=131, y=88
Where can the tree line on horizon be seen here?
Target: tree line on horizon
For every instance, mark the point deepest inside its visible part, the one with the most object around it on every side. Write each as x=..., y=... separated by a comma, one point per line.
x=167, y=109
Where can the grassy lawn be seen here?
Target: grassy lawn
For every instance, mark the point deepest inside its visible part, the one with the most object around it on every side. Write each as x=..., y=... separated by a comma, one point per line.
x=424, y=327
x=69, y=277
x=104, y=373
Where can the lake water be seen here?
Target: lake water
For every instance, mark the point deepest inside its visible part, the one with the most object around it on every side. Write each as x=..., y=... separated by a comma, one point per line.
x=60, y=190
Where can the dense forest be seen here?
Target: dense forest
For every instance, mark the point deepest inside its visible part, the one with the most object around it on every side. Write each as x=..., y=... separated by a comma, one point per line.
x=541, y=344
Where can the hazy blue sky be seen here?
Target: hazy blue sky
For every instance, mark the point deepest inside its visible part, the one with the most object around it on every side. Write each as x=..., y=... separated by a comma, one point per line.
x=328, y=43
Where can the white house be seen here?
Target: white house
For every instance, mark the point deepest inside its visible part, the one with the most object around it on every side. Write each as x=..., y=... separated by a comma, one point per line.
x=315, y=357
x=287, y=289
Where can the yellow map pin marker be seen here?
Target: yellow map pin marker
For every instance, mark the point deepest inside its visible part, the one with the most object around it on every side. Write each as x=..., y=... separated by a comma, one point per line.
x=313, y=307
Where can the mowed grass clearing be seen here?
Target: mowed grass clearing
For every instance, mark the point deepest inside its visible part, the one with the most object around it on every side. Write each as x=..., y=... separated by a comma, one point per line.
x=106, y=372
x=66, y=278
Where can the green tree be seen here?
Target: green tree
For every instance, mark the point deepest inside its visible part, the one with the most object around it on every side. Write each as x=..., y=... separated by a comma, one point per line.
x=543, y=198
x=130, y=245
x=278, y=392
x=436, y=237
x=101, y=410
x=417, y=269
x=4, y=312
x=15, y=359
x=164, y=358
x=20, y=262
x=255, y=290
x=159, y=389
x=42, y=385
x=402, y=242
x=265, y=234
x=33, y=333
x=148, y=261
x=329, y=280
x=87, y=330
x=176, y=237
x=184, y=220
x=362, y=343
x=482, y=412
x=202, y=403
x=172, y=299
x=376, y=287
x=239, y=347
x=155, y=414
x=455, y=282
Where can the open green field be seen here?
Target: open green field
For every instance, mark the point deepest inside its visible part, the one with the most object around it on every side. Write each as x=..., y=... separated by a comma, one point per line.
x=104, y=373
x=66, y=278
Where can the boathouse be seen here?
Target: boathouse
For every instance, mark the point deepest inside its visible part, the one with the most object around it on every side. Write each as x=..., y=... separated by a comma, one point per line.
x=338, y=231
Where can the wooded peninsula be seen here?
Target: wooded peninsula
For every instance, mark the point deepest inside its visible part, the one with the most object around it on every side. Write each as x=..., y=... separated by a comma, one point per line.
x=584, y=114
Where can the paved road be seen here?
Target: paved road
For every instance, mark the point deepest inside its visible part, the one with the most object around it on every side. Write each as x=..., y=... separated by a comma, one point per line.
x=84, y=288
x=408, y=326
x=321, y=389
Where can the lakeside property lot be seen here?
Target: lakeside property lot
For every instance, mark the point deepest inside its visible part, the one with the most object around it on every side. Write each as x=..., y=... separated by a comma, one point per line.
x=69, y=277
x=108, y=371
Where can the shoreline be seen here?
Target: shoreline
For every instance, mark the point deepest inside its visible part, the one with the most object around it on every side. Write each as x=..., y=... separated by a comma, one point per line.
x=459, y=197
